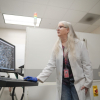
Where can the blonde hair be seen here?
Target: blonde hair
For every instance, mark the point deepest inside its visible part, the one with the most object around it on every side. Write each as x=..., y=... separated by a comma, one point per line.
x=70, y=43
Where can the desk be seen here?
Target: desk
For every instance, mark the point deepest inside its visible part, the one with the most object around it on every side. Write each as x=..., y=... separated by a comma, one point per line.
x=16, y=83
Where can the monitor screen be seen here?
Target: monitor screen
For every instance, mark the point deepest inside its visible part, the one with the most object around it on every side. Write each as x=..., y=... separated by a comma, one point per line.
x=7, y=56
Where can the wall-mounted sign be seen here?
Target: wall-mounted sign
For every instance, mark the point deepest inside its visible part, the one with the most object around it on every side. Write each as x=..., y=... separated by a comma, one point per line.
x=95, y=91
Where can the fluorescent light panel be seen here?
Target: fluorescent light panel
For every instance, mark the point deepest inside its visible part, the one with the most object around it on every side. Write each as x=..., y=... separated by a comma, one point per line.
x=20, y=20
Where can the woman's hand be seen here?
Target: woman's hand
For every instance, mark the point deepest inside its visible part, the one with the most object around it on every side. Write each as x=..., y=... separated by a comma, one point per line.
x=86, y=89
x=29, y=78
x=39, y=80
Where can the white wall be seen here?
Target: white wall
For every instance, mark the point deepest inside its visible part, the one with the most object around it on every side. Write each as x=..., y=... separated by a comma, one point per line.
x=17, y=38
x=37, y=56
x=95, y=83
x=93, y=41
x=39, y=45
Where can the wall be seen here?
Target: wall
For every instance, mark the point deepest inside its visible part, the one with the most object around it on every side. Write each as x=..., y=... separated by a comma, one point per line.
x=38, y=49
x=93, y=47
x=17, y=38
x=95, y=83
x=39, y=45
x=92, y=42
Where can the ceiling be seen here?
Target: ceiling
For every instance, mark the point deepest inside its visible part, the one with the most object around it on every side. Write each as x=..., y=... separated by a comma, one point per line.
x=52, y=11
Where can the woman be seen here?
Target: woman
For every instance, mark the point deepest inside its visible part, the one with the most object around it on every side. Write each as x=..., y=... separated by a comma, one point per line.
x=73, y=68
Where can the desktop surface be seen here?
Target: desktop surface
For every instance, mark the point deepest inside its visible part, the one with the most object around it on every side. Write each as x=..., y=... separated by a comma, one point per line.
x=10, y=82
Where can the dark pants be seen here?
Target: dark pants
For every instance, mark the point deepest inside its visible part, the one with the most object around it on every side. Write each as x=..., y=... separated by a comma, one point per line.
x=69, y=92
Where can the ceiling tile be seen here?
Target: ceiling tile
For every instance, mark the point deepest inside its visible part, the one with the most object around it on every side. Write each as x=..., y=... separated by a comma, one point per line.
x=17, y=0
x=80, y=27
x=11, y=7
x=0, y=9
x=30, y=8
x=74, y=16
x=32, y=1
x=1, y=18
x=97, y=23
x=61, y=3
x=12, y=26
x=91, y=28
x=83, y=5
x=51, y=12
x=43, y=1
x=2, y=25
x=73, y=24
x=96, y=9
x=54, y=12
x=37, y=1
x=48, y=23
x=97, y=30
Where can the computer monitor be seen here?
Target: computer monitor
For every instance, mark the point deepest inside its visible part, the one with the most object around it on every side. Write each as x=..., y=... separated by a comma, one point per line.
x=7, y=56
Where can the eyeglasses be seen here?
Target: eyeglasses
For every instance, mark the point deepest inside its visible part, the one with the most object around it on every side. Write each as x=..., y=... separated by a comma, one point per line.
x=61, y=27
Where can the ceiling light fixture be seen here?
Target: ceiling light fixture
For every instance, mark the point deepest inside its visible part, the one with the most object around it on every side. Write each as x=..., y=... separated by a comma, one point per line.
x=20, y=20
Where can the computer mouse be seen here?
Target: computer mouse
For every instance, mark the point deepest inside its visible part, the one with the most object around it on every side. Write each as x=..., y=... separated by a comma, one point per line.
x=27, y=79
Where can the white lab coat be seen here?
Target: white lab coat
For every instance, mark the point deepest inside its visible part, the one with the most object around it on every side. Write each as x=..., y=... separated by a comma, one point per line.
x=81, y=68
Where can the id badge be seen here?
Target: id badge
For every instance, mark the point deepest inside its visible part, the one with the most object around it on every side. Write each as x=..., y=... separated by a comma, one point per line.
x=66, y=73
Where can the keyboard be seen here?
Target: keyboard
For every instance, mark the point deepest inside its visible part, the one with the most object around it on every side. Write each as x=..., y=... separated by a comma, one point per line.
x=5, y=78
